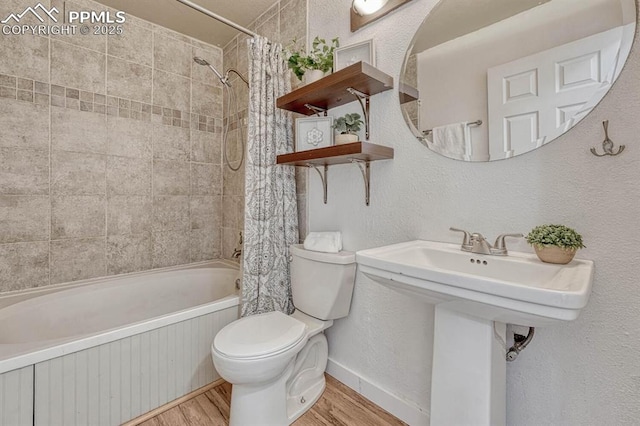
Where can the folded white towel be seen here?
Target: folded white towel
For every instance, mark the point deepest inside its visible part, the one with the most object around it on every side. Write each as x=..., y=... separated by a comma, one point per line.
x=452, y=140
x=328, y=242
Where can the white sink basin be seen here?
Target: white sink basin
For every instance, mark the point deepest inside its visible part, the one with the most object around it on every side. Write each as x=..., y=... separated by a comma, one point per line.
x=517, y=288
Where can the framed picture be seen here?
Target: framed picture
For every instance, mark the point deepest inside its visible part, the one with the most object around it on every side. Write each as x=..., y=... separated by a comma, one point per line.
x=349, y=55
x=313, y=133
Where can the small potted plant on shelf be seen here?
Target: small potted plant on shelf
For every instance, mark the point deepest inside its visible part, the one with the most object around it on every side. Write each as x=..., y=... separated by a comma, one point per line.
x=347, y=126
x=555, y=243
x=314, y=65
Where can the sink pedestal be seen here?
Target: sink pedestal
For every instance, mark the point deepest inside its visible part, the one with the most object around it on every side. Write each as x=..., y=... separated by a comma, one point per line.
x=469, y=370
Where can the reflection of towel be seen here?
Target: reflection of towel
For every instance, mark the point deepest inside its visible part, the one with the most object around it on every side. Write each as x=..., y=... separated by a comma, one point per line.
x=451, y=140
x=328, y=242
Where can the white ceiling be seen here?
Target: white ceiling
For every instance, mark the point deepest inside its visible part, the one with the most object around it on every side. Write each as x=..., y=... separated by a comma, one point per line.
x=183, y=19
x=451, y=19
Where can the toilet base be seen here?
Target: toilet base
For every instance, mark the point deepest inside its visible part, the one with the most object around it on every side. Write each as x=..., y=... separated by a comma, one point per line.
x=282, y=401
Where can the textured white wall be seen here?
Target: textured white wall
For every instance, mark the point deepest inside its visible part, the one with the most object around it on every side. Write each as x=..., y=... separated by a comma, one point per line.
x=586, y=372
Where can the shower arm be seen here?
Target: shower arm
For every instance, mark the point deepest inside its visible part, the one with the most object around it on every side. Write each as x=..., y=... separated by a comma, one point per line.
x=236, y=72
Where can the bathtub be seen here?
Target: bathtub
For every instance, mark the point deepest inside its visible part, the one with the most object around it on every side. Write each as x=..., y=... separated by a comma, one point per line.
x=105, y=351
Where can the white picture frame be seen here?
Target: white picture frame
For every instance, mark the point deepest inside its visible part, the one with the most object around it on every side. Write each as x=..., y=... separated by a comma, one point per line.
x=314, y=133
x=349, y=55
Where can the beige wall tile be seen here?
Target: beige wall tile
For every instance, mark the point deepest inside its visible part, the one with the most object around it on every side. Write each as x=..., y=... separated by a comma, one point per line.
x=206, y=99
x=24, y=218
x=170, y=248
x=87, y=71
x=171, y=90
x=24, y=125
x=129, y=80
x=231, y=211
x=206, y=179
x=171, y=143
x=230, y=239
x=206, y=212
x=294, y=14
x=134, y=44
x=24, y=265
x=89, y=41
x=77, y=259
x=171, y=213
x=205, y=244
x=128, y=176
x=24, y=172
x=233, y=181
x=171, y=177
x=25, y=56
x=129, y=138
x=78, y=131
x=77, y=173
x=206, y=147
x=172, y=55
x=230, y=54
x=81, y=216
x=129, y=215
x=243, y=56
x=128, y=253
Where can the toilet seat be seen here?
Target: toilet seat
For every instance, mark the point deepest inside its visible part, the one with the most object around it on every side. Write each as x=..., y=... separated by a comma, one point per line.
x=259, y=336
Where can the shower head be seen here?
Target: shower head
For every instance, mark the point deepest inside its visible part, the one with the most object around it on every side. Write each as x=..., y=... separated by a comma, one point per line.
x=198, y=60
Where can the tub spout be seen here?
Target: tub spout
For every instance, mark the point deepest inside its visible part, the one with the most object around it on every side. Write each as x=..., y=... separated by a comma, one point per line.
x=236, y=253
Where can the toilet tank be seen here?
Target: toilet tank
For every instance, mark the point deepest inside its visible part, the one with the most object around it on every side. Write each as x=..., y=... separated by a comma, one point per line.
x=322, y=283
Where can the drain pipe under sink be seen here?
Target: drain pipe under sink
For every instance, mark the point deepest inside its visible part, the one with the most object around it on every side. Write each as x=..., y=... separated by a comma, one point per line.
x=519, y=343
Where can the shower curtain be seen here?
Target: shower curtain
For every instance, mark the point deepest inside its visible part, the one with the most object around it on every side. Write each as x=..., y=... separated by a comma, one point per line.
x=271, y=212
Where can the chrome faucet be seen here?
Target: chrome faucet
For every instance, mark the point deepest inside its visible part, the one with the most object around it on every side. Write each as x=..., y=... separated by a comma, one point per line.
x=477, y=243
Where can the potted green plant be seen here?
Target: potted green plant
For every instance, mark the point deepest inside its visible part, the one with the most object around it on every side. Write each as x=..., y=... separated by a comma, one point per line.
x=347, y=126
x=316, y=63
x=555, y=243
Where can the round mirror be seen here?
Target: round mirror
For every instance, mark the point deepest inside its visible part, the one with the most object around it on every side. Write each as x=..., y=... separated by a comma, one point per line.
x=486, y=80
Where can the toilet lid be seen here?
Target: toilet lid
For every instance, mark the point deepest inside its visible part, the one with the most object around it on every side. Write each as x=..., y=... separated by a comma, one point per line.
x=259, y=335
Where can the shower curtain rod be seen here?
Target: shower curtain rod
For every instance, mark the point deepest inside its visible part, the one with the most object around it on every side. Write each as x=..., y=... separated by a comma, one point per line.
x=217, y=17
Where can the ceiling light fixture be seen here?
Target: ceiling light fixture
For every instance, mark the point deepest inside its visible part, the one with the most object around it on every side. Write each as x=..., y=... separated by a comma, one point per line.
x=367, y=7
x=364, y=12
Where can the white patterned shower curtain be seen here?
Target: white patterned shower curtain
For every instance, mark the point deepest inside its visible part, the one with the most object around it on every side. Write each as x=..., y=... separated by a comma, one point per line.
x=271, y=212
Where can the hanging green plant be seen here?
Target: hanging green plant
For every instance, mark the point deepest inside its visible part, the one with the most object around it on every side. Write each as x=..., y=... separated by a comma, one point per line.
x=320, y=57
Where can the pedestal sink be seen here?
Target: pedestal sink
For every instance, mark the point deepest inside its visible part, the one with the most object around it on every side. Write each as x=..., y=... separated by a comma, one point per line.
x=475, y=296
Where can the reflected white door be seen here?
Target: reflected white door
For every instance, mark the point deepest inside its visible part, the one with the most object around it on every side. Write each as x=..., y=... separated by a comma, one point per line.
x=534, y=99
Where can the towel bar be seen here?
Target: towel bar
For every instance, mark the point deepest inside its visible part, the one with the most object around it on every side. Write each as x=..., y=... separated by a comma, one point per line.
x=472, y=123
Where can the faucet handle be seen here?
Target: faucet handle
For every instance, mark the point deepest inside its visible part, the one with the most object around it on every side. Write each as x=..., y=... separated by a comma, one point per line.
x=240, y=241
x=466, y=240
x=500, y=245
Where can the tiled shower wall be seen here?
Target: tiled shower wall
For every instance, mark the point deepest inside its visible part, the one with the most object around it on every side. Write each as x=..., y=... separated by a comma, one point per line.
x=285, y=21
x=110, y=154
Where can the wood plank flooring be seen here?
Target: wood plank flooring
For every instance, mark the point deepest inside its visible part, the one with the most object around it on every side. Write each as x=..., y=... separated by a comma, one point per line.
x=338, y=406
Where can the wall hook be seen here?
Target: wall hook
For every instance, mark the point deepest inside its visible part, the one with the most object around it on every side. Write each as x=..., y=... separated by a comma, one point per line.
x=607, y=144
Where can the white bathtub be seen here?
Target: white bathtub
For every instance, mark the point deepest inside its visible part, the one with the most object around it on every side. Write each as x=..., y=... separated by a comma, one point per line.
x=121, y=346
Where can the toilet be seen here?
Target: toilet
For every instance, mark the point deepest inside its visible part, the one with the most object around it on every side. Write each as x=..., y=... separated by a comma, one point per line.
x=276, y=362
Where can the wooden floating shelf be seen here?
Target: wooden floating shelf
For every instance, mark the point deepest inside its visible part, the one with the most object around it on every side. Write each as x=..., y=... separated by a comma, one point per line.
x=338, y=154
x=331, y=91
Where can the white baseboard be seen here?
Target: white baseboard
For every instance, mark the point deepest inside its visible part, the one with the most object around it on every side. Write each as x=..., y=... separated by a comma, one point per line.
x=402, y=409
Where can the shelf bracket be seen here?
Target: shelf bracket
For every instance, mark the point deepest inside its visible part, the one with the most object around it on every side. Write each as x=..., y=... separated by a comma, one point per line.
x=366, y=175
x=363, y=98
x=323, y=178
x=317, y=110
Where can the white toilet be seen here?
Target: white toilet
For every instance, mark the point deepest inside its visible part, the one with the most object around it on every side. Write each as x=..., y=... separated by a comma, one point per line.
x=276, y=362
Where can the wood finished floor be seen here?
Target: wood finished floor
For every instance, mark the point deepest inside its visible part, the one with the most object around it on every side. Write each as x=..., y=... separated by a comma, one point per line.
x=339, y=405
